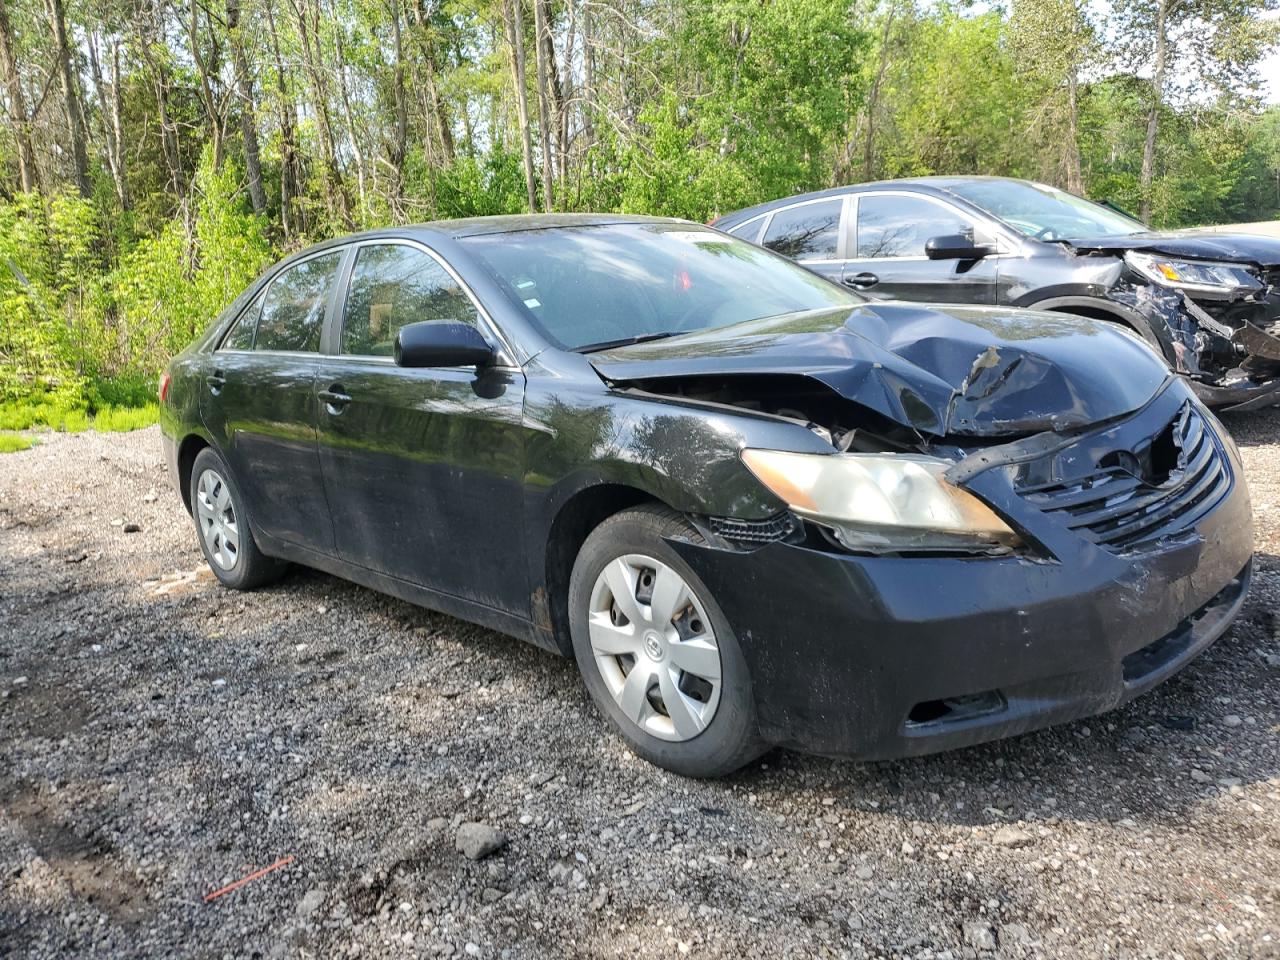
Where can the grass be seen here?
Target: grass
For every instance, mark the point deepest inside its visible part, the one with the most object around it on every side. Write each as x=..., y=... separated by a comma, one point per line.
x=74, y=418
x=13, y=442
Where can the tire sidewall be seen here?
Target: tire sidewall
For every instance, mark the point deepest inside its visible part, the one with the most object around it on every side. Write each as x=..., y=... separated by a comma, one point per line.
x=241, y=576
x=731, y=739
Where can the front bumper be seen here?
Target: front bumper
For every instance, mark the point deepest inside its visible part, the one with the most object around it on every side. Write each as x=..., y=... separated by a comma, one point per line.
x=1243, y=395
x=881, y=656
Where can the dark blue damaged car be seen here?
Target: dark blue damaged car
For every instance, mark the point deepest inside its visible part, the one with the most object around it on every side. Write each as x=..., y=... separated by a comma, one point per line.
x=757, y=508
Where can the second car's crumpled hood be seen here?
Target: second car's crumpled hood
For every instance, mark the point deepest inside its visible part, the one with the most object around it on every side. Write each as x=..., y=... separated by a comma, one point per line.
x=1198, y=245
x=964, y=371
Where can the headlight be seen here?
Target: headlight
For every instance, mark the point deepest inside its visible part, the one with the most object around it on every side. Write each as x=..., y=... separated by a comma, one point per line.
x=874, y=501
x=1201, y=275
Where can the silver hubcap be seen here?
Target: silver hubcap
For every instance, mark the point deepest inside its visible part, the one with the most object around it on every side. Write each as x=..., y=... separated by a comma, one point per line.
x=654, y=647
x=218, y=523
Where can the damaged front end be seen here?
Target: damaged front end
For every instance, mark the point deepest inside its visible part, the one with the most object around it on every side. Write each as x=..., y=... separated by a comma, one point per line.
x=1217, y=323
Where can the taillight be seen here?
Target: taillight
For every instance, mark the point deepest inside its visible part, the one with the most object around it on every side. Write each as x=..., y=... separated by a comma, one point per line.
x=164, y=386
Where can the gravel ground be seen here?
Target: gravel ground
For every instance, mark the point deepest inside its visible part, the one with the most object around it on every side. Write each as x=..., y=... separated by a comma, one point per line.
x=162, y=737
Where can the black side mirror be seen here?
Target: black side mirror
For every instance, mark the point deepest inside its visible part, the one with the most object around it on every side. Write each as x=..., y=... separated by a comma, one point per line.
x=441, y=343
x=957, y=246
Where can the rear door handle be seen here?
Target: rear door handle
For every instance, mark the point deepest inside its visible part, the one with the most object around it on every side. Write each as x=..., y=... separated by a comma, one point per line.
x=861, y=281
x=335, y=398
x=216, y=382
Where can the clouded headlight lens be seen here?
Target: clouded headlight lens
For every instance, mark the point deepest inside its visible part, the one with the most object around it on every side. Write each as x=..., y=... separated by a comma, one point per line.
x=1194, y=275
x=880, y=501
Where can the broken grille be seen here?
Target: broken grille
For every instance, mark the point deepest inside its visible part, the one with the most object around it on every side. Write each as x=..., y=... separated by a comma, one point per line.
x=1116, y=509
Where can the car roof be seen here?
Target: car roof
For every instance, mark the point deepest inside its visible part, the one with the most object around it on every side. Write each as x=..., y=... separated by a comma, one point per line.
x=937, y=185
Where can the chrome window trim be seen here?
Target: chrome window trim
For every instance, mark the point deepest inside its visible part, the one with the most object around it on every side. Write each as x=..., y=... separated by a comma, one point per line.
x=487, y=325
x=842, y=224
x=1005, y=245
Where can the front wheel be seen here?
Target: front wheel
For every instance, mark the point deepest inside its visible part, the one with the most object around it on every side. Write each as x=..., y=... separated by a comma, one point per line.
x=222, y=523
x=655, y=650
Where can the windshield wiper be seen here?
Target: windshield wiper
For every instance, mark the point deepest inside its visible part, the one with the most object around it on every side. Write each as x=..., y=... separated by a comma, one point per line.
x=625, y=341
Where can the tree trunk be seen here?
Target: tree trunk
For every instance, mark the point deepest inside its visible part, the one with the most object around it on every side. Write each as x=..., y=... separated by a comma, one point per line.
x=70, y=97
x=1153, y=118
x=1075, y=179
x=28, y=176
x=335, y=187
x=515, y=40
x=544, y=125
x=292, y=218
x=212, y=109
x=248, y=115
x=168, y=130
x=873, y=97
x=400, y=131
x=109, y=100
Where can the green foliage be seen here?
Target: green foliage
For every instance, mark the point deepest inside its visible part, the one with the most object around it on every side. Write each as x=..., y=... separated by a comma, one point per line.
x=13, y=442
x=123, y=419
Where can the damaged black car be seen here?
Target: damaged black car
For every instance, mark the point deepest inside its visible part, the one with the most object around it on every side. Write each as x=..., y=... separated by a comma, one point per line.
x=756, y=507
x=1208, y=301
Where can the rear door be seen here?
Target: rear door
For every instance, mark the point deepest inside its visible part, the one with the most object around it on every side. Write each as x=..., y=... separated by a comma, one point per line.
x=810, y=233
x=259, y=402
x=423, y=467
x=887, y=256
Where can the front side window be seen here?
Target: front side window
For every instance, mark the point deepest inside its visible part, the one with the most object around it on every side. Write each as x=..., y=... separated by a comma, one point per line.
x=392, y=285
x=294, y=306
x=1045, y=213
x=806, y=232
x=900, y=226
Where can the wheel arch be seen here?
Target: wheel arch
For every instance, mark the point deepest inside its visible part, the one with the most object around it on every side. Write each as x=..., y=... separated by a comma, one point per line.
x=573, y=522
x=188, y=450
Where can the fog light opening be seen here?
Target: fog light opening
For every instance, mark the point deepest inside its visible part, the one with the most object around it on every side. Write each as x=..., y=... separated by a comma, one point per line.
x=954, y=709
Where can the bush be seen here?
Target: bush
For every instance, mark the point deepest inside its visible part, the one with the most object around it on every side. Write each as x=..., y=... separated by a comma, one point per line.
x=123, y=419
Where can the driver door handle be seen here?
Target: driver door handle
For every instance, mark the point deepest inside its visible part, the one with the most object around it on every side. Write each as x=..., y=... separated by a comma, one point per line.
x=861, y=281
x=335, y=398
x=216, y=382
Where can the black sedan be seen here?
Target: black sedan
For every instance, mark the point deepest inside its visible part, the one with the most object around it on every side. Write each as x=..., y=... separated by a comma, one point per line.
x=757, y=508
x=1209, y=302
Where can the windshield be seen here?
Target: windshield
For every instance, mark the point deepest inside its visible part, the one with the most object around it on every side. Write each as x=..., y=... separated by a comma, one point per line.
x=588, y=287
x=1045, y=213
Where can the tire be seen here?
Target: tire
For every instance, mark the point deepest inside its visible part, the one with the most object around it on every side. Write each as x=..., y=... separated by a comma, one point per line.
x=218, y=510
x=709, y=730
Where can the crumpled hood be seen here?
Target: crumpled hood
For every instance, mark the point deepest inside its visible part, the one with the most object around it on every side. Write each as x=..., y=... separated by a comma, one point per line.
x=1196, y=244
x=953, y=370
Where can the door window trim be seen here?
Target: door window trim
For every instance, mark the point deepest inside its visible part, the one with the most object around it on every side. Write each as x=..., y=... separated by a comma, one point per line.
x=1004, y=245
x=332, y=342
x=842, y=227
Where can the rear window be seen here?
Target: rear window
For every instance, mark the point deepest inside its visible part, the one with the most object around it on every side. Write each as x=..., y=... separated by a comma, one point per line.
x=807, y=232
x=294, y=307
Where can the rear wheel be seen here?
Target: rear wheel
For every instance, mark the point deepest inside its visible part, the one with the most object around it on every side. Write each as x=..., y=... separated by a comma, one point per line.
x=226, y=536
x=655, y=650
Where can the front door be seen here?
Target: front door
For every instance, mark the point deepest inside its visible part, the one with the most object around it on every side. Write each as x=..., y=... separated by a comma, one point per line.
x=259, y=403
x=887, y=257
x=423, y=467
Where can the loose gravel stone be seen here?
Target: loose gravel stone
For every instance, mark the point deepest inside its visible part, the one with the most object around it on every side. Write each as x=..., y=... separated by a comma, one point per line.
x=475, y=841
x=130, y=785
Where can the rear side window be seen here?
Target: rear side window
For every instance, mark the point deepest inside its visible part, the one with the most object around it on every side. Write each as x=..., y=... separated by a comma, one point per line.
x=240, y=337
x=392, y=285
x=807, y=232
x=294, y=306
x=900, y=226
x=749, y=231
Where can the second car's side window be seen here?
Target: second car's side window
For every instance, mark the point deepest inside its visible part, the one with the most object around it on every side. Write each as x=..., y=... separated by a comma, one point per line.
x=899, y=226
x=293, y=309
x=393, y=285
x=807, y=232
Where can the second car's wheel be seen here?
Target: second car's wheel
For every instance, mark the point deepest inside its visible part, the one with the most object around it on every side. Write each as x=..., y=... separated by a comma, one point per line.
x=655, y=650
x=226, y=536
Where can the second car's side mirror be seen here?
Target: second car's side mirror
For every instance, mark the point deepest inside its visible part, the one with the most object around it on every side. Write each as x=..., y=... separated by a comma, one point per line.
x=442, y=343
x=958, y=246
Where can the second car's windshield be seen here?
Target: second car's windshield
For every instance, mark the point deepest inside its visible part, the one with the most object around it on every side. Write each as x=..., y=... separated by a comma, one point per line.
x=591, y=286
x=1044, y=212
